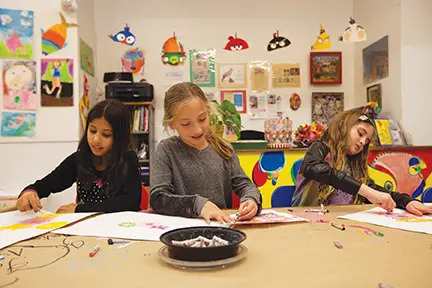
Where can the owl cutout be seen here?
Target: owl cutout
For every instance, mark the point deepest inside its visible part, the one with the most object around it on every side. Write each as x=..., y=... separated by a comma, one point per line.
x=354, y=33
x=277, y=42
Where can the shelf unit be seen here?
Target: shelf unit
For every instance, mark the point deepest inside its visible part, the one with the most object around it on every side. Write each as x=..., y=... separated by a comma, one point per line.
x=142, y=131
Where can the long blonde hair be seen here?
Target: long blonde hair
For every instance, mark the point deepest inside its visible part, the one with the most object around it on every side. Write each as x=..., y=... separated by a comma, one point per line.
x=181, y=93
x=336, y=137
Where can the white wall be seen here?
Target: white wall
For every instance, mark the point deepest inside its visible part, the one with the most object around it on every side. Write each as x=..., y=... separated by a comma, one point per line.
x=416, y=55
x=23, y=160
x=380, y=18
x=86, y=32
x=204, y=25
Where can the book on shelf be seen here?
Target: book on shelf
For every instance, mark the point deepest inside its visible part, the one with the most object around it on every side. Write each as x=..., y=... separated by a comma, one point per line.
x=140, y=121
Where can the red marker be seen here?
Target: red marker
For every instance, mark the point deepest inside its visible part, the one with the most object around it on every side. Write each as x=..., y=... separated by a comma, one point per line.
x=94, y=251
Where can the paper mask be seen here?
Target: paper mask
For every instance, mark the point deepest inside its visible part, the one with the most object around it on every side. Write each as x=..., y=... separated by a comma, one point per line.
x=133, y=61
x=173, y=52
x=354, y=33
x=124, y=36
x=323, y=40
x=277, y=42
x=236, y=44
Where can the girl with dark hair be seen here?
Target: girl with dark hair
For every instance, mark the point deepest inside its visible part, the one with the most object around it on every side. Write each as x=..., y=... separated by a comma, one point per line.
x=334, y=169
x=105, y=170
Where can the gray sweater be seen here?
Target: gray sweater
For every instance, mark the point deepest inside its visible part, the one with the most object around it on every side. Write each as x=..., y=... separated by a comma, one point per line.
x=183, y=178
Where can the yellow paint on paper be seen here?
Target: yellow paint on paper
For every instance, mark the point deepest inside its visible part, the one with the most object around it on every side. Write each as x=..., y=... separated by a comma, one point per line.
x=15, y=226
x=51, y=225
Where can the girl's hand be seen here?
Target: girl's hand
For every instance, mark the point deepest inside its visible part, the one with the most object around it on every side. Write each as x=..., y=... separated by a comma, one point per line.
x=29, y=200
x=69, y=208
x=247, y=210
x=381, y=199
x=418, y=208
x=211, y=211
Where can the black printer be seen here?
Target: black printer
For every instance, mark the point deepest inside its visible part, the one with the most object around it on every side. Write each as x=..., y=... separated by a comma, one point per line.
x=128, y=91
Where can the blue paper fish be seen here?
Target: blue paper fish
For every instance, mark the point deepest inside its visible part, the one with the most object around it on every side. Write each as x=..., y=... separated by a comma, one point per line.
x=125, y=37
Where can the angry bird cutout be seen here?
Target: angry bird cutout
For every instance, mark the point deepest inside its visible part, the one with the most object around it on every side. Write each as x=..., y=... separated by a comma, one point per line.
x=124, y=37
x=354, y=33
x=323, y=40
x=236, y=44
x=277, y=42
x=173, y=52
x=133, y=61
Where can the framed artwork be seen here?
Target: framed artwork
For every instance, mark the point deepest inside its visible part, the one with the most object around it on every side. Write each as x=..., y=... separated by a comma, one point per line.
x=326, y=68
x=232, y=75
x=202, y=67
x=375, y=61
x=374, y=94
x=325, y=105
x=285, y=75
x=238, y=97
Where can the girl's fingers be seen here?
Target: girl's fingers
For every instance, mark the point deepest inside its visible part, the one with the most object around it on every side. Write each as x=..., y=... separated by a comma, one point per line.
x=227, y=219
x=415, y=211
x=34, y=203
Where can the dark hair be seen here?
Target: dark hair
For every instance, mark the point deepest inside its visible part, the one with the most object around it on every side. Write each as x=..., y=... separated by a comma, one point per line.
x=118, y=116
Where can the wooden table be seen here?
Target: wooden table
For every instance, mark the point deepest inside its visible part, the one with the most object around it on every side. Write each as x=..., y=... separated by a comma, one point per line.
x=284, y=255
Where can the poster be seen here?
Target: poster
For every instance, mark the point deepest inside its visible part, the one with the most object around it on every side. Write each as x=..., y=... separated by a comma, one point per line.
x=237, y=97
x=57, y=82
x=17, y=124
x=202, y=68
x=232, y=75
x=259, y=76
x=325, y=105
x=285, y=75
x=86, y=57
x=19, y=85
x=376, y=61
x=258, y=105
x=16, y=34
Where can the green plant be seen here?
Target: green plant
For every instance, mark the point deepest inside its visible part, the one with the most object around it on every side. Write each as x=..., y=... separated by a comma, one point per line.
x=226, y=114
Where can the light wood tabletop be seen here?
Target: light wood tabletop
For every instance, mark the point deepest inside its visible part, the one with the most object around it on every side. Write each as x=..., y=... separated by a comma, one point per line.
x=279, y=255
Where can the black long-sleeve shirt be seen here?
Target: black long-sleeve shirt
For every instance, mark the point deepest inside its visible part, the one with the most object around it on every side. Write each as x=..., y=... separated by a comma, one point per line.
x=93, y=199
x=315, y=167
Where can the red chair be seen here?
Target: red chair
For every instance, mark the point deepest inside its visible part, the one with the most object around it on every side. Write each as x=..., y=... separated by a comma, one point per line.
x=144, y=205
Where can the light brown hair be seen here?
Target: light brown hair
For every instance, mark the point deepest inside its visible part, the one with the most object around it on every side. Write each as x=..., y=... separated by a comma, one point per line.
x=180, y=94
x=336, y=136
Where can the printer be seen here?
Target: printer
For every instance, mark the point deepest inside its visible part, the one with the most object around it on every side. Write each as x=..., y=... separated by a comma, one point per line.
x=125, y=90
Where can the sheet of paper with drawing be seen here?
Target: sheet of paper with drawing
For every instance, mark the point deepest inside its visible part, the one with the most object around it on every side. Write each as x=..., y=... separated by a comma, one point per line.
x=132, y=225
x=16, y=226
x=271, y=216
x=399, y=219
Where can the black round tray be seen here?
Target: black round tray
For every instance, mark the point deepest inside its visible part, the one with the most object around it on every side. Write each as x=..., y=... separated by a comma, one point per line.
x=234, y=237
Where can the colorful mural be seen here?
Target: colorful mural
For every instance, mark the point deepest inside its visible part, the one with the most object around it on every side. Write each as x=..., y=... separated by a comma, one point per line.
x=407, y=171
x=275, y=172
